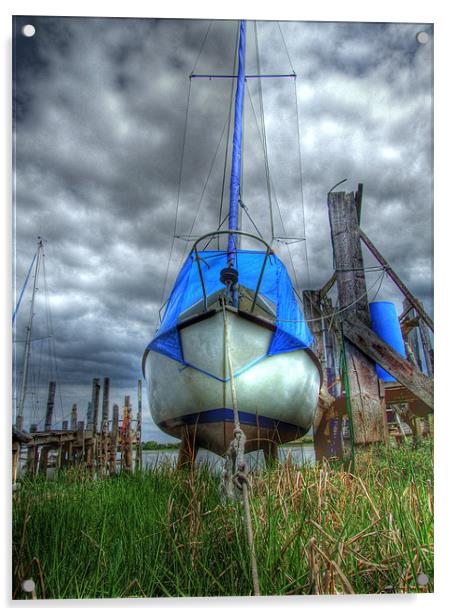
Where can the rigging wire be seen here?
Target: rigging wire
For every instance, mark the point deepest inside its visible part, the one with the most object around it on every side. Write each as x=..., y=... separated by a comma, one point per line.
x=298, y=287
x=264, y=136
x=181, y=167
x=24, y=287
x=300, y=165
x=52, y=344
x=300, y=161
x=201, y=48
x=244, y=207
x=203, y=191
x=285, y=47
x=336, y=312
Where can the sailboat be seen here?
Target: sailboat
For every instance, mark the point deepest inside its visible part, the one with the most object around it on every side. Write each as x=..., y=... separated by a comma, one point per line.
x=233, y=315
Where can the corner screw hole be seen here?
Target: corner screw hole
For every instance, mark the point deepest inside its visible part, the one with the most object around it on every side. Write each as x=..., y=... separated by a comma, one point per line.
x=422, y=579
x=28, y=30
x=422, y=38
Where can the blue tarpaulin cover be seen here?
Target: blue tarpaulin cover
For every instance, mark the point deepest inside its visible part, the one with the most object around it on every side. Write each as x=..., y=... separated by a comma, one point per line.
x=291, y=333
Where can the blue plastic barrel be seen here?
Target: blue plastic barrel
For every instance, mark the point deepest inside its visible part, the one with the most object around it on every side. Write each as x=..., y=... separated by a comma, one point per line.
x=385, y=323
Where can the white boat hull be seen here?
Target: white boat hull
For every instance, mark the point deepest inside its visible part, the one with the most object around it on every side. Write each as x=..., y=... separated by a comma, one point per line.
x=277, y=395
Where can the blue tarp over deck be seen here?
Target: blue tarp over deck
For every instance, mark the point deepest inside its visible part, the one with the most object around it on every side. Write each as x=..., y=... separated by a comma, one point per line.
x=291, y=333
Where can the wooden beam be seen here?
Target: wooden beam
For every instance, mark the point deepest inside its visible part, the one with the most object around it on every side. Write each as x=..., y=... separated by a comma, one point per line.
x=391, y=273
x=375, y=348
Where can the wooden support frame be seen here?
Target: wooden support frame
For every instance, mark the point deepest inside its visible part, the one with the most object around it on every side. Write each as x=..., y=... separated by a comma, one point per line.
x=368, y=411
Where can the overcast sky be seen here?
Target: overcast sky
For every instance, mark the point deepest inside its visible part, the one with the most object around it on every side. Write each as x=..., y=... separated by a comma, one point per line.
x=100, y=107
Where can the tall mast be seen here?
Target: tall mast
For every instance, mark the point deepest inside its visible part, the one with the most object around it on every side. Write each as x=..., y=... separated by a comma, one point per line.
x=237, y=147
x=20, y=411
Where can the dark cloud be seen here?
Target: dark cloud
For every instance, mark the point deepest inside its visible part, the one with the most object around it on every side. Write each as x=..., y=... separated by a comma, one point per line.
x=99, y=129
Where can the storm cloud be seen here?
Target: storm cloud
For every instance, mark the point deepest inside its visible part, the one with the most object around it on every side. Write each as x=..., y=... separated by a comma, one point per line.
x=99, y=116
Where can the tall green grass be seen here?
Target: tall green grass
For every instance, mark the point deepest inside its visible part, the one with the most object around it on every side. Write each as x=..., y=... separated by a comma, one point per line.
x=318, y=529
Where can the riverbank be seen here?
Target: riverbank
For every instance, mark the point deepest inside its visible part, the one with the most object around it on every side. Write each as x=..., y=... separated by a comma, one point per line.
x=318, y=529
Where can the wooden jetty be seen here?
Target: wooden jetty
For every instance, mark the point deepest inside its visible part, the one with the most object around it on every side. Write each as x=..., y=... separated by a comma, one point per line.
x=103, y=447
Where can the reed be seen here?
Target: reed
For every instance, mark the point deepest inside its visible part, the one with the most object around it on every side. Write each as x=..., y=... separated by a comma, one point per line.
x=318, y=530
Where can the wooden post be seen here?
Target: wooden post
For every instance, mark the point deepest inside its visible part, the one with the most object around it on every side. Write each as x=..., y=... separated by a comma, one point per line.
x=15, y=459
x=74, y=418
x=88, y=447
x=32, y=454
x=138, y=443
x=70, y=447
x=411, y=338
x=313, y=314
x=95, y=393
x=114, y=439
x=45, y=450
x=328, y=432
x=104, y=428
x=368, y=413
x=89, y=417
x=332, y=349
x=427, y=347
x=64, y=447
x=127, y=435
x=93, y=450
x=80, y=441
x=50, y=405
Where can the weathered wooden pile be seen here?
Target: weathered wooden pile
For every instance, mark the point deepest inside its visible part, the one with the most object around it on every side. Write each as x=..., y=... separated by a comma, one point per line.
x=348, y=349
x=104, y=446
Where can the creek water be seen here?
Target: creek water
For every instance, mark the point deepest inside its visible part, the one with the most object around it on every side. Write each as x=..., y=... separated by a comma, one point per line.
x=300, y=455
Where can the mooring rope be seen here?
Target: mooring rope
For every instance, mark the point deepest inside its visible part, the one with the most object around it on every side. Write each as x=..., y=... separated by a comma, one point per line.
x=234, y=481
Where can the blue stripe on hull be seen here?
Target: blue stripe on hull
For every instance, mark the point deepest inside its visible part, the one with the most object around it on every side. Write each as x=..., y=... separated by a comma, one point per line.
x=227, y=415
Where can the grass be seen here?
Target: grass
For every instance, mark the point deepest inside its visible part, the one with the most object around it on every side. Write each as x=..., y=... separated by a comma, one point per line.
x=318, y=530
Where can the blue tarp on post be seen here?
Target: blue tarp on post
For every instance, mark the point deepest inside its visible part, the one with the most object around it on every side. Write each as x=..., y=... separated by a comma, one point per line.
x=385, y=323
x=292, y=331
